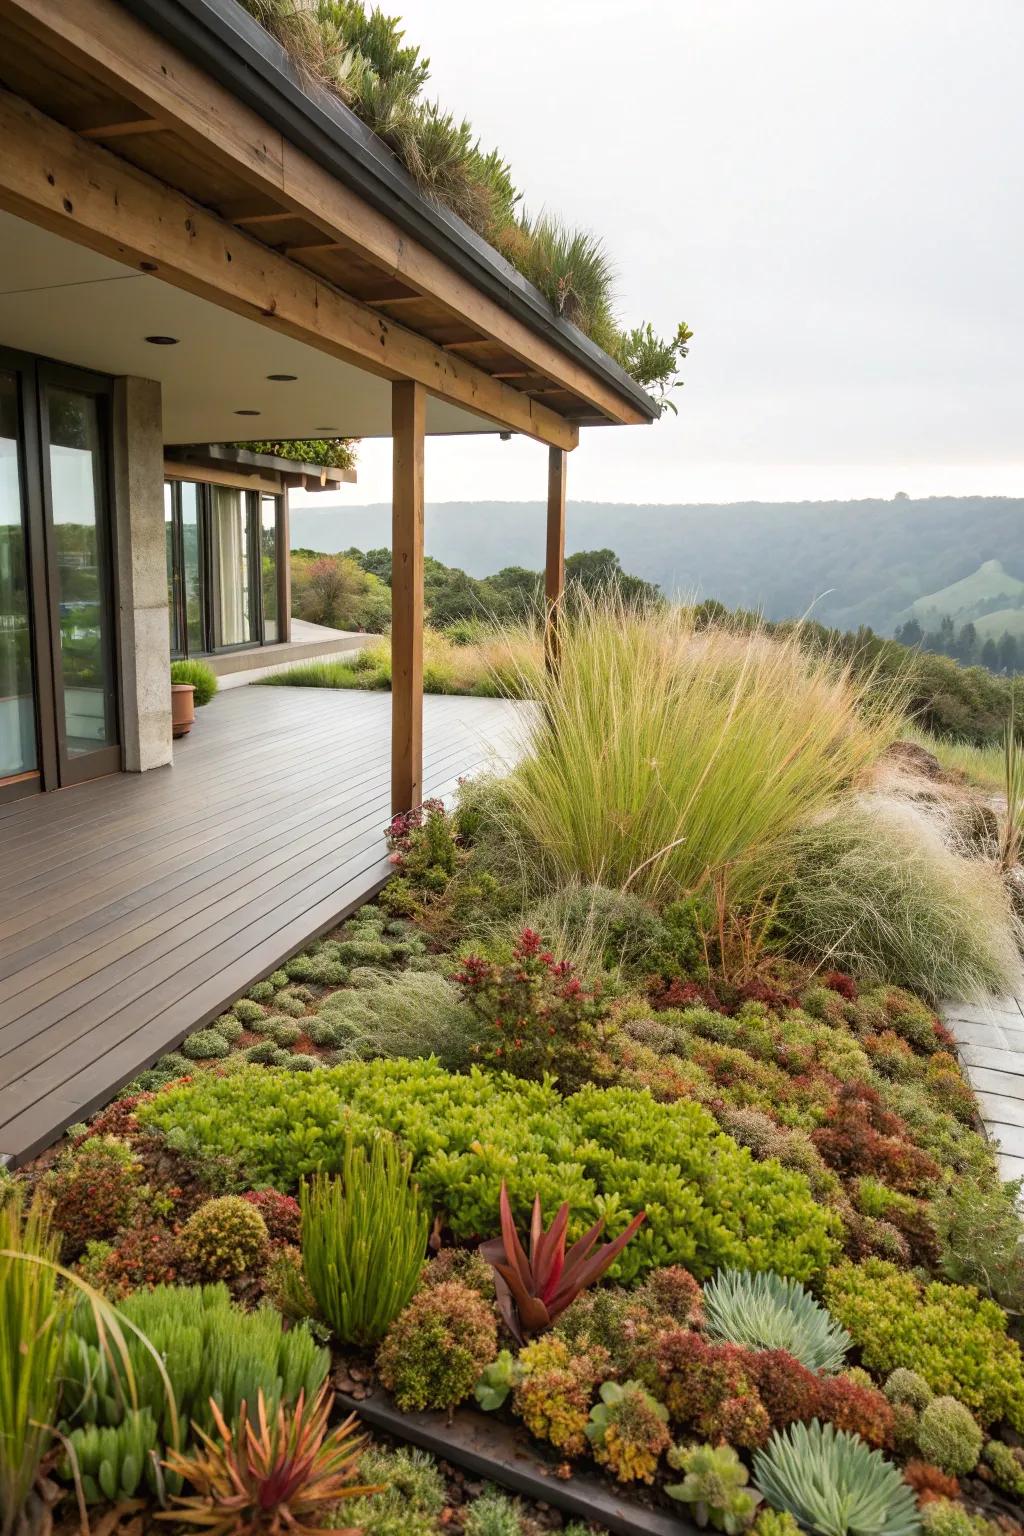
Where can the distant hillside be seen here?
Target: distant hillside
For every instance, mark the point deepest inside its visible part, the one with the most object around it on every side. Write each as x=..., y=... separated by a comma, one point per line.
x=860, y=562
x=1004, y=621
x=986, y=590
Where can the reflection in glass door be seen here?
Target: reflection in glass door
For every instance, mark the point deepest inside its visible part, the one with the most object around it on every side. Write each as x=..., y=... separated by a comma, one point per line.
x=18, y=759
x=82, y=610
x=231, y=557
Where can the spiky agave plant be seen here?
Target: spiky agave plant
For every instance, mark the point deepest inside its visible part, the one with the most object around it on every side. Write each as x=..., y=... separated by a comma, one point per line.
x=834, y=1483
x=769, y=1311
x=533, y=1291
x=271, y=1476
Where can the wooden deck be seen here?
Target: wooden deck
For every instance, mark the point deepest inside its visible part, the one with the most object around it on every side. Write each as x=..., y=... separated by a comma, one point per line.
x=135, y=908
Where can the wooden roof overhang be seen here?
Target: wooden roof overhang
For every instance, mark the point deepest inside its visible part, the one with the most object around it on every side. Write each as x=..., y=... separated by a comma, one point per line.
x=227, y=460
x=175, y=138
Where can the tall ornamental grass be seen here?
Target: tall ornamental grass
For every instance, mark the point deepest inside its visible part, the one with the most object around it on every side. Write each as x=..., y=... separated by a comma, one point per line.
x=34, y=1316
x=663, y=757
x=875, y=887
x=500, y=661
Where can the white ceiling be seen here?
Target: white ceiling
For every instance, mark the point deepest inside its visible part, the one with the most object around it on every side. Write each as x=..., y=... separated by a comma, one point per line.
x=62, y=301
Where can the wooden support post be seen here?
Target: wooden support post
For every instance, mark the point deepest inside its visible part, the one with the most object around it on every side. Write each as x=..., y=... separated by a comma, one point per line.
x=554, y=565
x=408, y=416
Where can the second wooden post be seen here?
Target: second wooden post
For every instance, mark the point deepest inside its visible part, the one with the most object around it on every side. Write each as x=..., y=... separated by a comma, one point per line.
x=408, y=414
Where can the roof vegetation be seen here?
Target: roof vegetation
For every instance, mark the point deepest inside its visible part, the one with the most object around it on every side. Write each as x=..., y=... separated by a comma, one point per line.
x=363, y=58
x=329, y=452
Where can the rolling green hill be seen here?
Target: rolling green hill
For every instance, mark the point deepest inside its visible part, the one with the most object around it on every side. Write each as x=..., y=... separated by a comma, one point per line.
x=988, y=589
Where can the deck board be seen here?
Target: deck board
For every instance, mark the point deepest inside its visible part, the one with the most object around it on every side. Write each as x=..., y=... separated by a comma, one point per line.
x=135, y=908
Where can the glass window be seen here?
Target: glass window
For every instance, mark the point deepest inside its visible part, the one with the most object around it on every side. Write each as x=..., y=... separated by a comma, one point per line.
x=173, y=574
x=84, y=613
x=192, y=568
x=17, y=702
x=231, y=583
x=268, y=566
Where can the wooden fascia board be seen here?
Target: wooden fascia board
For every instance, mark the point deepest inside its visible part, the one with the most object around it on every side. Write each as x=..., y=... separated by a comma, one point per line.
x=104, y=39
x=87, y=194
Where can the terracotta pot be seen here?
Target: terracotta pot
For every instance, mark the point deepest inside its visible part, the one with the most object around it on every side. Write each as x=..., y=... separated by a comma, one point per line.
x=183, y=708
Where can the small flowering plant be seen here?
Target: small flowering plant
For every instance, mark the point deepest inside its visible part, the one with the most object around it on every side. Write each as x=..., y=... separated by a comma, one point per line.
x=541, y=1021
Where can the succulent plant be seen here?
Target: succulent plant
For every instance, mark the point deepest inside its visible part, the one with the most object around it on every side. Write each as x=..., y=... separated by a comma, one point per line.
x=271, y=1474
x=627, y=1431
x=768, y=1311
x=113, y=1464
x=714, y=1486
x=833, y=1483
x=532, y=1292
x=903, y=1386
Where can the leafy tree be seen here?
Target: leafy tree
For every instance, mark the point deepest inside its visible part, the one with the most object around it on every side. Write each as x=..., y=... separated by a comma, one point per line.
x=990, y=655
x=1008, y=656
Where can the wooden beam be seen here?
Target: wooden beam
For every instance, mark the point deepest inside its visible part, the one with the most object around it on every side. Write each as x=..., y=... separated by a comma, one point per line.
x=124, y=129
x=408, y=406
x=554, y=561
x=83, y=192
x=107, y=42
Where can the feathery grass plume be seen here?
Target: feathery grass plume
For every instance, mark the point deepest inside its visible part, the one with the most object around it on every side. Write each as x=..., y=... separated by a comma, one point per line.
x=873, y=887
x=834, y=1483
x=364, y=1237
x=769, y=1311
x=574, y=271
x=663, y=757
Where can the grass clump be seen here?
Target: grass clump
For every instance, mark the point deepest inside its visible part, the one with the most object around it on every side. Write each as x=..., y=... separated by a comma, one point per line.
x=364, y=1235
x=202, y=678
x=874, y=887
x=401, y=1014
x=702, y=749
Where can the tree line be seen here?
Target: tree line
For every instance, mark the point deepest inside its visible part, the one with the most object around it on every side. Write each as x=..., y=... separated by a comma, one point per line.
x=1004, y=657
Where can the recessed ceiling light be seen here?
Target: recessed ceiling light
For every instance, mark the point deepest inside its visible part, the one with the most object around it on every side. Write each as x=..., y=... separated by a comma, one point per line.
x=162, y=341
x=282, y=378
x=330, y=431
x=247, y=413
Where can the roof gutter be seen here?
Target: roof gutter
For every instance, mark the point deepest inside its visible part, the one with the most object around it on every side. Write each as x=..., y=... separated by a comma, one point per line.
x=221, y=37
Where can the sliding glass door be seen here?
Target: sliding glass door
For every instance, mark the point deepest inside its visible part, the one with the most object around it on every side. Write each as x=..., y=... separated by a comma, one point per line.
x=223, y=566
x=58, y=682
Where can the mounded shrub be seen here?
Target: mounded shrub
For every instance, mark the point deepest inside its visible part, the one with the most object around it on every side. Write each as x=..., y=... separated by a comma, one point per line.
x=204, y=1045
x=437, y=1347
x=948, y=1436
x=224, y=1238
x=708, y=1202
x=202, y=677
x=956, y=1340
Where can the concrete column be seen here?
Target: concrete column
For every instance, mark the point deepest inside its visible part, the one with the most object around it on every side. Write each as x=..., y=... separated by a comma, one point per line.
x=138, y=451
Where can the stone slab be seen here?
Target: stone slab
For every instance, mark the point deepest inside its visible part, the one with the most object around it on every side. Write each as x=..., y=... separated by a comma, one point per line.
x=999, y=1107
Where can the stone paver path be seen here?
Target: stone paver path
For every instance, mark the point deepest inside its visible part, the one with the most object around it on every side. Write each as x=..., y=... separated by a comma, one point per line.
x=990, y=1037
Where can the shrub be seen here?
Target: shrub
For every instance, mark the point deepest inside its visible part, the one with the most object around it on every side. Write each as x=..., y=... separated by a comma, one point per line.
x=954, y=1339
x=863, y=1410
x=437, y=1347
x=775, y=1522
x=906, y=1386
x=281, y=1213
x=766, y=1311
x=710, y=1388
x=247, y=1011
x=538, y=1018
x=492, y=1514
x=463, y=1264
x=552, y=1392
x=931, y=1481
x=33, y=1322
x=223, y=1238
x=874, y=888
x=714, y=1487
x=861, y=1137
x=981, y=1237
x=94, y=1189
x=1007, y=1464
x=364, y=1235
x=411, y=1498
x=627, y=1431
x=708, y=1202
x=145, y=1254
x=833, y=1483
x=771, y=734
x=204, y=1045
x=948, y=1436
x=202, y=677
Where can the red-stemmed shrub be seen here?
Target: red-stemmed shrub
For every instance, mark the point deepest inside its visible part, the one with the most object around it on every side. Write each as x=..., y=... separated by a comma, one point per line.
x=860, y=1136
x=930, y=1482
x=280, y=1212
x=710, y=1388
x=788, y=1390
x=838, y=981
x=540, y=1018
x=862, y=1410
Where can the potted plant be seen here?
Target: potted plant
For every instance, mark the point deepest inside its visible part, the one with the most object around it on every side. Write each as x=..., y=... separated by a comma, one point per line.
x=193, y=684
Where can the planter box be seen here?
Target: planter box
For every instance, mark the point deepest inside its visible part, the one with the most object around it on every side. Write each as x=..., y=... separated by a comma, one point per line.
x=505, y=1454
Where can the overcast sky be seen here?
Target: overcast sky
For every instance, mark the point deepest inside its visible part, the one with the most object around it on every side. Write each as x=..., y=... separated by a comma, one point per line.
x=828, y=191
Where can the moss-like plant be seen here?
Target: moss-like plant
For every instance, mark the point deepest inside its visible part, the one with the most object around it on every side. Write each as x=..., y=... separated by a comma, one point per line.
x=364, y=1237
x=834, y=1483
x=948, y=1436
x=768, y=1311
x=204, y=1045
